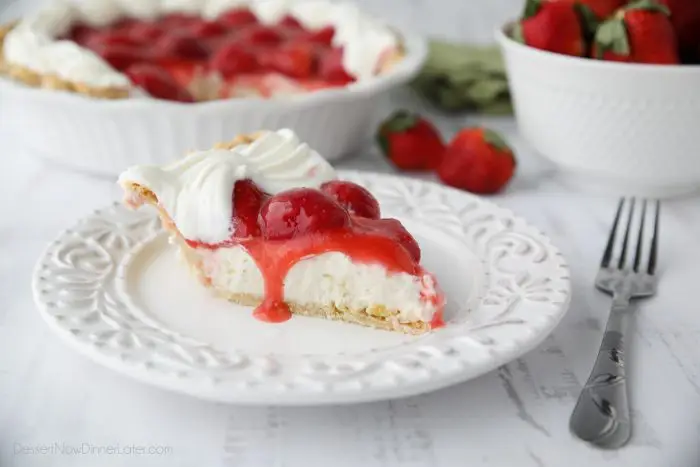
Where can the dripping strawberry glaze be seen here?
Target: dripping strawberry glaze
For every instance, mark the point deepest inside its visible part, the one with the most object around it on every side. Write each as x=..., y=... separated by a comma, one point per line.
x=363, y=240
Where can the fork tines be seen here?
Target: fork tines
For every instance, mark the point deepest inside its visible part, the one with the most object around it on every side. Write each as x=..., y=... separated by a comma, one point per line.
x=639, y=217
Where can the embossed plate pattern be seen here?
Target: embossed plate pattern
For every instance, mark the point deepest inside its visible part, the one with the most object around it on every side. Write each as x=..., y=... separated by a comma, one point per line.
x=112, y=288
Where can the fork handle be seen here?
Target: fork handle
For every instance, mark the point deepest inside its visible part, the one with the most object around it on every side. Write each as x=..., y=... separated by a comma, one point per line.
x=602, y=414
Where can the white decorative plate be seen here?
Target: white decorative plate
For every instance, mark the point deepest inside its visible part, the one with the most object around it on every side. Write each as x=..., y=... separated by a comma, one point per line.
x=113, y=288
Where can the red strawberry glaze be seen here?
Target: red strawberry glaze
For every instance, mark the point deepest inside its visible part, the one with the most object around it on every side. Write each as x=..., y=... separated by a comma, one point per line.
x=363, y=240
x=437, y=321
x=251, y=58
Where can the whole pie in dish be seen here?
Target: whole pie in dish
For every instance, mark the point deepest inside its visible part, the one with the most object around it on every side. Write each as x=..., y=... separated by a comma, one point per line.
x=196, y=50
x=264, y=222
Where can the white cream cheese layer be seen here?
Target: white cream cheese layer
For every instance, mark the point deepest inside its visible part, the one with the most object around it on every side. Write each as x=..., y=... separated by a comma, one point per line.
x=327, y=279
x=196, y=191
x=32, y=42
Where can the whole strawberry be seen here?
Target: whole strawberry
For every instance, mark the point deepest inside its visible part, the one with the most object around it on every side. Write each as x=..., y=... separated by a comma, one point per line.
x=685, y=17
x=553, y=26
x=641, y=32
x=410, y=142
x=477, y=160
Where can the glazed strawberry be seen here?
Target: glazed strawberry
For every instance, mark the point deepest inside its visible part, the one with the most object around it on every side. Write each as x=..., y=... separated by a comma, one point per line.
x=172, y=21
x=237, y=17
x=182, y=71
x=410, y=142
x=298, y=212
x=121, y=57
x=322, y=36
x=331, y=69
x=685, y=17
x=259, y=35
x=80, y=33
x=145, y=32
x=356, y=199
x=293, y=59
x=641, y=33
x=553, y=26
x=290, y=22
x=600, y=8
x=206, y=29
x=477, y=160
x=233, y=59
x=181, y=46
x=123, y=25
x=157, y=82
x=247, y=201
x=395, y=230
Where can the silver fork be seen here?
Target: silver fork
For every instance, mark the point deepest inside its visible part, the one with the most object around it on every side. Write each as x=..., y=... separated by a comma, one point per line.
x=602, y=414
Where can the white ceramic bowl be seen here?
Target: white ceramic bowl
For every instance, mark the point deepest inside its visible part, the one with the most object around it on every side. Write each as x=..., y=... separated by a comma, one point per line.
x=630, y=127
x=104, y=137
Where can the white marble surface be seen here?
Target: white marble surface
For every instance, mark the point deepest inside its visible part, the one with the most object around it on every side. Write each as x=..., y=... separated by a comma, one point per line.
x=516, y=416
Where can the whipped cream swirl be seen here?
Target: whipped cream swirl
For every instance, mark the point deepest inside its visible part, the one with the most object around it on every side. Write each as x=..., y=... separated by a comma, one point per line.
x=196, y=191
x=32, y=43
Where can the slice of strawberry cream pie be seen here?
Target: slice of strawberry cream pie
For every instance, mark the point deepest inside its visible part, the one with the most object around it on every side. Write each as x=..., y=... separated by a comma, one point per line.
x=264, y=222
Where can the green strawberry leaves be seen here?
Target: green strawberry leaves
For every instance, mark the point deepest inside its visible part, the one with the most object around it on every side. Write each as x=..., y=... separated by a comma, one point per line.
x=516, y=33
x=612, y=36
x=400, y=121
x=495, y=140
x=383, y=142
x=648, y=5
x=589, y=20
x=531, y=8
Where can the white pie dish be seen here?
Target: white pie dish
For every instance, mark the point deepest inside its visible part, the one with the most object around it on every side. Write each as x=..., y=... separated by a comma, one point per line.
x=104, y=136
x=113, y=289
x=624, y=128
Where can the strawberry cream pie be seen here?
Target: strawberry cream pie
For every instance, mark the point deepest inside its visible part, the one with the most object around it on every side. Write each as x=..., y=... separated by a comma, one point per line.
x=196, y=50
x=264, y=222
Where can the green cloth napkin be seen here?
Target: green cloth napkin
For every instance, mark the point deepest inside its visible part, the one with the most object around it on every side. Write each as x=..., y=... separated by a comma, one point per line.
x=462, y=77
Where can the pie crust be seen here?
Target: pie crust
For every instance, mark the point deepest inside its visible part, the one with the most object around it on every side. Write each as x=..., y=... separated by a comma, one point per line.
x=49, y=81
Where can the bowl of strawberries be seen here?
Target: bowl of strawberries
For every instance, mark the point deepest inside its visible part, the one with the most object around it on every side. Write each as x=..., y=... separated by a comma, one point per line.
x=607, y=89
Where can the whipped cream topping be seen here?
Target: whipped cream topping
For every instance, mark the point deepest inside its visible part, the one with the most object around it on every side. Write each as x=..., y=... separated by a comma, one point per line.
x=196, y=191
x=32, y=42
